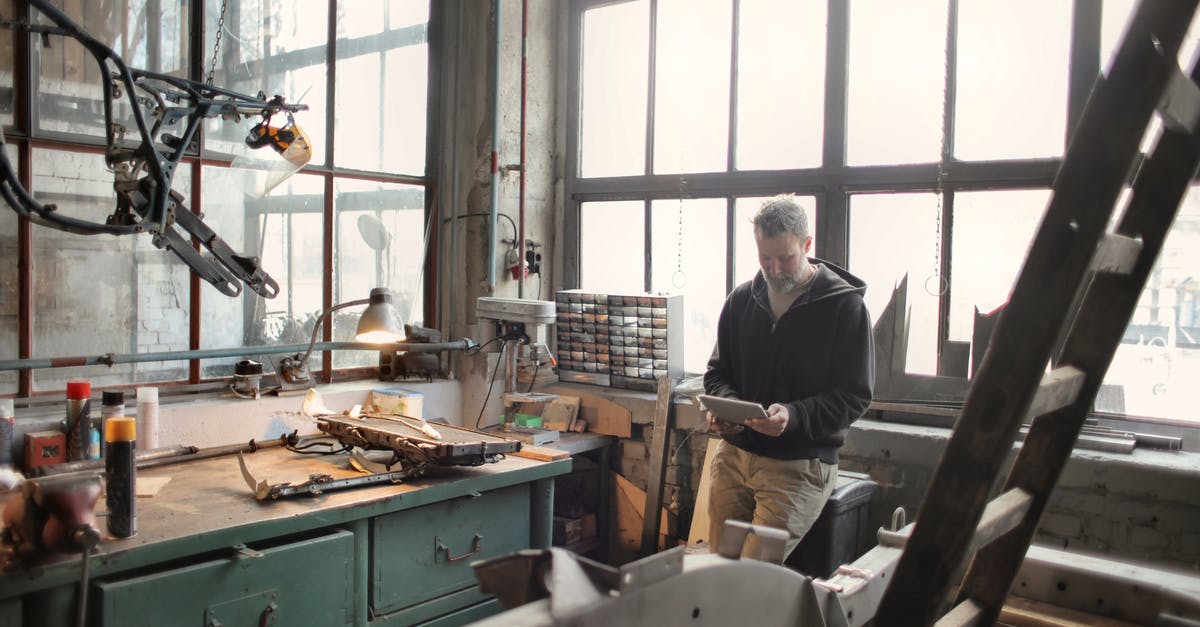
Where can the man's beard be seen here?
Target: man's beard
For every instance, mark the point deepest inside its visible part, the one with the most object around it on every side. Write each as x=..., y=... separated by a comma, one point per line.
x=784, y=282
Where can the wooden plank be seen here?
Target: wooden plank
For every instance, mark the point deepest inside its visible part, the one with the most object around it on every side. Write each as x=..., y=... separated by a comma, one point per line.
x=964, y=614
x=699, y=531
x=1059, y=388
x=664, y=418
x=1117, y=254
x=1021, y=612
x=1000, y=516
x=541, y=453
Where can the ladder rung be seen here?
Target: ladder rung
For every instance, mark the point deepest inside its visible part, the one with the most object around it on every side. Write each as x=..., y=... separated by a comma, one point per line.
x=1059, y=388
x=1117, y=254
x=966, y=613
x=1001, y=515
x=1180, y=103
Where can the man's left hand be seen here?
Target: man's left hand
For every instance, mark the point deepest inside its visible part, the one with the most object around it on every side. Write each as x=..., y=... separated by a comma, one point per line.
x=775, y=422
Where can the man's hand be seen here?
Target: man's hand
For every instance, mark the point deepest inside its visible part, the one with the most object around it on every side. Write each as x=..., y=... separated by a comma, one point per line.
x=721, y=427
x=775, y=422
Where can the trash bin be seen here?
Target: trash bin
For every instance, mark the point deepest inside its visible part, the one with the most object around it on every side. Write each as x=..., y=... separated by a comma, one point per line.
x=841, y=532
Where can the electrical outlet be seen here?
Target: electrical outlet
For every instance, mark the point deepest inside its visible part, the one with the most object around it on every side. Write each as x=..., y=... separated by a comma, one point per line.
x=511, y=258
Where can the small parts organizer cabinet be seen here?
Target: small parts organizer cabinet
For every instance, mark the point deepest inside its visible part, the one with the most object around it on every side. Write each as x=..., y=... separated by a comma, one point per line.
x=624, y=341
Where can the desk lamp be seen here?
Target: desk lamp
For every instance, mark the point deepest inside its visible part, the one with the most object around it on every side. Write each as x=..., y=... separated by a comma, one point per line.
x=380, y=323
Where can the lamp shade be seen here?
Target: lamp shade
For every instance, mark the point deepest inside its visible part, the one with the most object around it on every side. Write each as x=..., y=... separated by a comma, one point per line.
x=380, y=322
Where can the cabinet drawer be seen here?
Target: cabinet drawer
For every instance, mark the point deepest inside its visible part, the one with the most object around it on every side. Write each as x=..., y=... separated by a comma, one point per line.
x=423, y=553
x=307, y=582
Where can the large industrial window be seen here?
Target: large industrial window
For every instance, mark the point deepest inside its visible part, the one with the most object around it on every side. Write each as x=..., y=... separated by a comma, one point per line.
x=923, y=138
x=354, y=218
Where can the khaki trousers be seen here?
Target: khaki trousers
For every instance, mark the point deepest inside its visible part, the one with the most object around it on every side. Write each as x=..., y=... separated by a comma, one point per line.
x=785, y=494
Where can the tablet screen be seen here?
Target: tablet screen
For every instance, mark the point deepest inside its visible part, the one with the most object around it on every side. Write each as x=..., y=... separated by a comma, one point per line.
x=731, y=409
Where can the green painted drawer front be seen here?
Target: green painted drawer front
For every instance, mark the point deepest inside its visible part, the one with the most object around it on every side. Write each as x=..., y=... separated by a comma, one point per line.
x=309, y=582
x=427, y=552
x=10, y=613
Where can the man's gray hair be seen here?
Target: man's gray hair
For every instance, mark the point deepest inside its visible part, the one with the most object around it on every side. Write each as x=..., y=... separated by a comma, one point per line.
x=780, y=215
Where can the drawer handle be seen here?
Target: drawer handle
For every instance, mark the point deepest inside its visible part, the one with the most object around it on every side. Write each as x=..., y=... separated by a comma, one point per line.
x=441, y=548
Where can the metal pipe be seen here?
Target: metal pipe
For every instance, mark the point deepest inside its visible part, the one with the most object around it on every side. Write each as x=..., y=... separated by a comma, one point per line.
x=211, y=353
x=491, y=254
x=521, y=189
x=98, y=464
x=454, y=177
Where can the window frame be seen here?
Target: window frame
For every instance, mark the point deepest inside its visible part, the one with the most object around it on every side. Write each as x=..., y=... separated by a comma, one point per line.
x=25, y=136
x=833, y=182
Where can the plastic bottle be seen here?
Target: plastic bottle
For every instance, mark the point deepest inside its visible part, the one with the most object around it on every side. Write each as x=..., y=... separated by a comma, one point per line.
x=6, y=433
x=120, y=469
x=112, y=405
x=147, y=416
x=79, y=419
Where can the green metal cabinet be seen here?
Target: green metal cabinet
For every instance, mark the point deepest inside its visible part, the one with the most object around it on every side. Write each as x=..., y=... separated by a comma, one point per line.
x=307, y=582
x=10, y=613
x=369, y=557
x=421, y=555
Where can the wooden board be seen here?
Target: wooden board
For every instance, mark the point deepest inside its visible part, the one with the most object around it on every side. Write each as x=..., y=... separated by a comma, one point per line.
x=699, y=531
x=602, y=415
x=541, y=453
x=628, y=511
x=664, y=418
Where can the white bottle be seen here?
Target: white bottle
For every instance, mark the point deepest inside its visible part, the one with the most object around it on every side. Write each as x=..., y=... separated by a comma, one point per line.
x=147, y=418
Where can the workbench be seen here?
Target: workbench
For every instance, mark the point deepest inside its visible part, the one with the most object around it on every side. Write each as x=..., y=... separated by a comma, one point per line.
x=206, y=553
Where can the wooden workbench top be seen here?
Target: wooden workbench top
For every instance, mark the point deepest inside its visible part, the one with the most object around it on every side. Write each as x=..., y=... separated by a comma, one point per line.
x=206, y=505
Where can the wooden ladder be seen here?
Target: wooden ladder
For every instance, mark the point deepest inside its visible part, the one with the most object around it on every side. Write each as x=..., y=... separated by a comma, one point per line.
x=1072, y=251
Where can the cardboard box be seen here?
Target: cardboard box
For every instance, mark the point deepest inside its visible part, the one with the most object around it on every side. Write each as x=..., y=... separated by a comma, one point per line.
x=397, y=401
x=43, y=448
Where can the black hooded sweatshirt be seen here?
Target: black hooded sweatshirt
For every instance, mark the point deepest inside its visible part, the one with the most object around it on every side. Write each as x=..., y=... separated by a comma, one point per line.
x=817, y=359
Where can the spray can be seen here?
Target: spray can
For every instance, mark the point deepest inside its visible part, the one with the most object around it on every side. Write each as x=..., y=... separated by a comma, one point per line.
x=6, y=433
x=79, y=419
x=120, y=467
x=147, y=416
x=112, y=405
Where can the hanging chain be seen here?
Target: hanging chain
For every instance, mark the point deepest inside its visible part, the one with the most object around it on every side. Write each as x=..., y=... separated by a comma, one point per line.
x=939, y=187
x=212, y=67
x=679, y=279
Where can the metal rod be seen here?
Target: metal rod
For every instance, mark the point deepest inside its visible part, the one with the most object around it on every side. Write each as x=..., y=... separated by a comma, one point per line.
x=209, y=353
x=98, y=464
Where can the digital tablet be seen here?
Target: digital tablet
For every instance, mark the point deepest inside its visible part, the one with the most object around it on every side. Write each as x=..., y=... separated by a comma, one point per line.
x=731, y=409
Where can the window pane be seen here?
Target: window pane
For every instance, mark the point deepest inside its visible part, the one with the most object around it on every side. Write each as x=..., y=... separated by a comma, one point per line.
x=67, y=79
x=379, y=121
x=896, y=81
x=745, y=262
x=7, y=80
x=285, y=231
x=273, y=46
x=780, y=105
x=992, y=234
x=1012, y=79
x=612, y=246
x=97, y=294
x=8, y=288
x=612, y=117
x=695, y=267
x=691, y=98
x=1158, y=363
x=891, y=236
x=380, y=243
